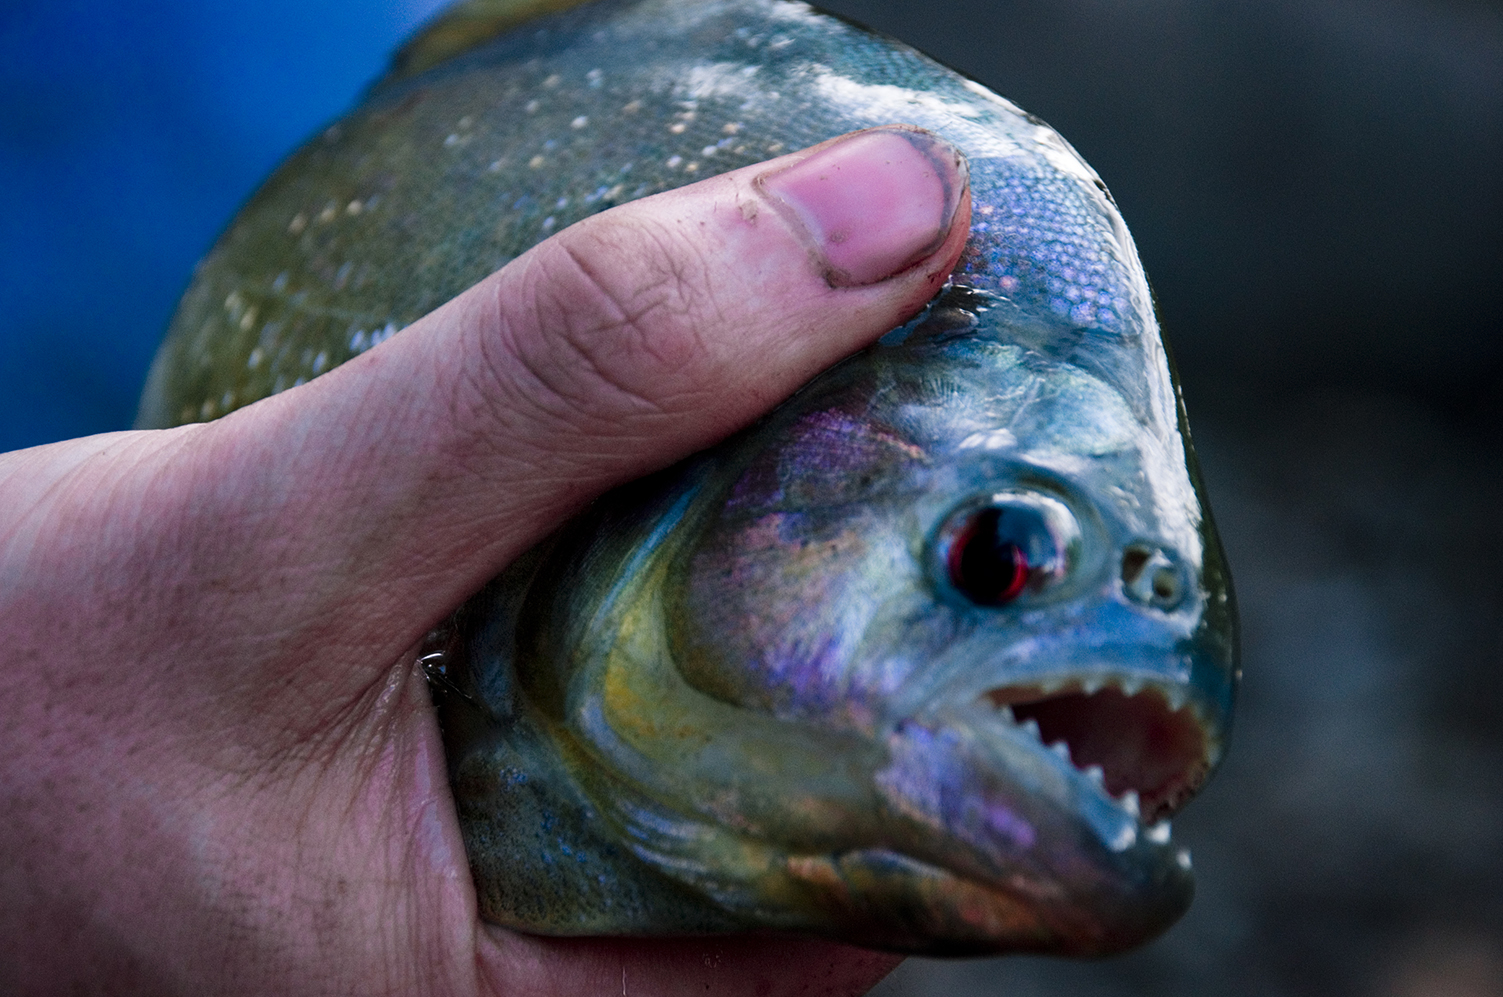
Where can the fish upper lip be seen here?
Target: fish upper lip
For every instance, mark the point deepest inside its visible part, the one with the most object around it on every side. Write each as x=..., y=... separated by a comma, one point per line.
x=1143, y=744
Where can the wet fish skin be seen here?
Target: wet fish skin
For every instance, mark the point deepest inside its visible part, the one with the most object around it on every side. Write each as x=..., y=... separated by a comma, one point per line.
x=749, y=692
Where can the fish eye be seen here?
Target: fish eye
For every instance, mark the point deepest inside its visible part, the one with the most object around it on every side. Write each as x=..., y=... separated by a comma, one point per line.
x=1011, y=545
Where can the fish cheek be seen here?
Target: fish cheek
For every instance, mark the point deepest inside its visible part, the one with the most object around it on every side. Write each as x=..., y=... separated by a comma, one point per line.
x=772, y=608
x=775, y=598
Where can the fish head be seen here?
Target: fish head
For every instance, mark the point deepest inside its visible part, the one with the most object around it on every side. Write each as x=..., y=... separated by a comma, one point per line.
x=969, y=639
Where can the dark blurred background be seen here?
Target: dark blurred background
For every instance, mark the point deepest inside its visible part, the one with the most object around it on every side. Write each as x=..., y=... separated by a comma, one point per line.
x=1316, y=188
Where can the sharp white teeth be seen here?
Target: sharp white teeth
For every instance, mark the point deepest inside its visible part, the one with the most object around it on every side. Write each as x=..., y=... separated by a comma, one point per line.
x=1176, y=698
x=1032, y=726
x=1091, y=686
x=1061, y=749
x=1132, y=687
x=1006, y=712
x=1124, y=839
x=1129, y=801
x=1095, y=774
x=1051, y=686
x=1159, y=833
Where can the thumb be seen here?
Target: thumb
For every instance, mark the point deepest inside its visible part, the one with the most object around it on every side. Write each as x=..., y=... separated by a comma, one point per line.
x=413, y=473
x=375, y=498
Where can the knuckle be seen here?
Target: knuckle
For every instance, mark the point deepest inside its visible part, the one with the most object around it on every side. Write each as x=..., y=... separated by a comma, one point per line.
x=607, y=323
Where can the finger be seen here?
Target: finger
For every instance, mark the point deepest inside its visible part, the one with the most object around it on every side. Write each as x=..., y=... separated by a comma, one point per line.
x=731, y=966
x=397, y=484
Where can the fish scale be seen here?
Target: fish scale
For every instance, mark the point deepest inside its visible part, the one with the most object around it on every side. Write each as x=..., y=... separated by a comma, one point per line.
x=808, y=680
x=342, y=246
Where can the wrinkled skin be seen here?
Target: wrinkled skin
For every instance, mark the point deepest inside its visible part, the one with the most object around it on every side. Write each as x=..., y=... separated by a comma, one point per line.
x=762, y=691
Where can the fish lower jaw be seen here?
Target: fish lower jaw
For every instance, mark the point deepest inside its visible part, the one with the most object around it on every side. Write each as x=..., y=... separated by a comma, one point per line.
x=944, y=912
x=1138, y=744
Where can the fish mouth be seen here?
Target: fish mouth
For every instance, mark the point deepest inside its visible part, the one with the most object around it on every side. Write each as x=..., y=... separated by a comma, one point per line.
x=1142, y=744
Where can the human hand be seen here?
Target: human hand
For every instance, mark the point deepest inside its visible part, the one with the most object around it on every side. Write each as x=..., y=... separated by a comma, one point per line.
x=219, y=765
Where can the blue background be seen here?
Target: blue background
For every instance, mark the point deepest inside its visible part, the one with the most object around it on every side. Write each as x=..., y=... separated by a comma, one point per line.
x=129, y=133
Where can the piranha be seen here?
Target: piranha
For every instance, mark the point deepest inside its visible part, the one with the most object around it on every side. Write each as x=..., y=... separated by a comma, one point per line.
x=924, y=660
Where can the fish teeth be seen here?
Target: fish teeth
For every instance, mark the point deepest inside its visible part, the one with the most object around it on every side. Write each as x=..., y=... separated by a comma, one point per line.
x=1050, y=686
x=1032, y=726
x=1061, y=749
x=1096, y=774
x=1132, y=686
x=1091, y=686
x=1007, y=714
x=1124, y=839
x=1129, y=802
x=1158, y=833
x=1175, y=697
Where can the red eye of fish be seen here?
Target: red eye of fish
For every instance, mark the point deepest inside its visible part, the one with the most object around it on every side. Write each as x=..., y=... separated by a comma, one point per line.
x=987, y=562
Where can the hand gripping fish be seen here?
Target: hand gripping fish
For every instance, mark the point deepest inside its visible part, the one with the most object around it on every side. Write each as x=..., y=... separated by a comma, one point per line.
x=925, y=659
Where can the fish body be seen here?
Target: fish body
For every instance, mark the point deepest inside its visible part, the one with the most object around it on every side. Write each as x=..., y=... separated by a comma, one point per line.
x=922, y=660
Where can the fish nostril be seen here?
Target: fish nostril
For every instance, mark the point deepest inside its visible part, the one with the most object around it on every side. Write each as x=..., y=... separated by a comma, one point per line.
x=1151, y=577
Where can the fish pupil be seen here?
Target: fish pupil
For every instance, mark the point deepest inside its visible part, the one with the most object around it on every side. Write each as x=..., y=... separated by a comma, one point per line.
x=987, y=563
